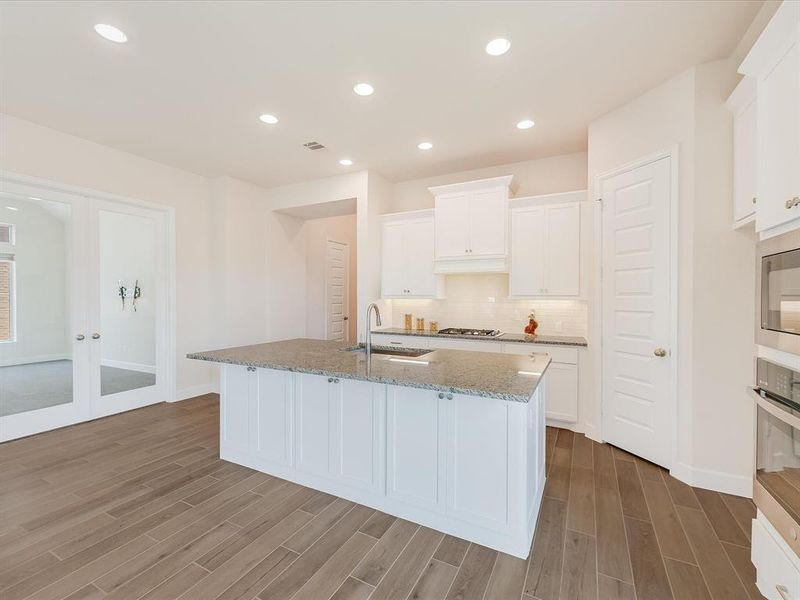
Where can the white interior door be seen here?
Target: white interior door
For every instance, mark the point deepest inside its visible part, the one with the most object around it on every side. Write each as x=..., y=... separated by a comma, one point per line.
x=638, y=395
x=129, y=307
x=337, y=285
x=44, y=347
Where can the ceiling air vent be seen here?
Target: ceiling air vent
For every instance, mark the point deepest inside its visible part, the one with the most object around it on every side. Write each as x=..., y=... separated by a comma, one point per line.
x=6, y=233
x=313, y=145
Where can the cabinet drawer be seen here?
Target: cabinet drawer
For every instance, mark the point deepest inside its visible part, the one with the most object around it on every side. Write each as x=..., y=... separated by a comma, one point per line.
x=457, y=344
x=775, y=570
x=560, y=354
x=402, y=341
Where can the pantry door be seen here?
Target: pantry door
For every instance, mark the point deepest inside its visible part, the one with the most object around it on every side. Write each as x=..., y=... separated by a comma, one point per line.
x=637, y=357
x=44, y=336
x=128, y=320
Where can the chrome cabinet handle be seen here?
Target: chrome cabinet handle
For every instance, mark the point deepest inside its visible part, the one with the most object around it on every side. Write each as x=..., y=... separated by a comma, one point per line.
x=783, y=592
x=791, y=203
x=398, y=343
x=95, y=336
x=330, y=379
x=335, y=380
x=251, y=369
x=80, y=337
x=660, y=352
x=755, y=199
x=449, y=396
x=441, y=396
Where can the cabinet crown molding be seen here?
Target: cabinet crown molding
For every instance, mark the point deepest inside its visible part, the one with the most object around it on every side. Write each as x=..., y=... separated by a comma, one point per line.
x=506, y=181
x=783, y=25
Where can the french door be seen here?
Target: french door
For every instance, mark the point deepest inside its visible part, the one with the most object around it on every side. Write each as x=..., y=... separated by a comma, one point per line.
x=83, y=308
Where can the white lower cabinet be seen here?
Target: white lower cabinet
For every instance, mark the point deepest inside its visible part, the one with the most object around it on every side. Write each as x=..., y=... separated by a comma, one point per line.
x=415, y=436
x=562, y=379
x=466, y=465
x=478, y=463
x=777, y=566
x=337, y=425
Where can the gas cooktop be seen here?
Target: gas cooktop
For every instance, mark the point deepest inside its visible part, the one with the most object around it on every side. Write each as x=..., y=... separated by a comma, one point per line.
x=475, y=332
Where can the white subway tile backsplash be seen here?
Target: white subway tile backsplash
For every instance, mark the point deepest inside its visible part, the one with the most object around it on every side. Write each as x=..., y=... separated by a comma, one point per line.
x=481, y=301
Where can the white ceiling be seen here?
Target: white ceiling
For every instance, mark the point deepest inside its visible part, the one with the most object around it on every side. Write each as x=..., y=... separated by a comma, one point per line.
x=188, y=87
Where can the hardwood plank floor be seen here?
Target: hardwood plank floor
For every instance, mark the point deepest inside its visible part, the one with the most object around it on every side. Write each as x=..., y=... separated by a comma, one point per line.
x=139, y=505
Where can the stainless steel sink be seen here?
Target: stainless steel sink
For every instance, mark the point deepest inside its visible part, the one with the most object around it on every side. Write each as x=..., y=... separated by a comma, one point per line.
x=407, y=352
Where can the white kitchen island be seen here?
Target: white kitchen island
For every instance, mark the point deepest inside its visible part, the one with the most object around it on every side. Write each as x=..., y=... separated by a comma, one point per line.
x=452, y=440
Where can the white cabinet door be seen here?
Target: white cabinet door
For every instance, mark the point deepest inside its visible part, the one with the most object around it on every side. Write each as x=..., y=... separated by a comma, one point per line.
x=487, y=223
x=779, y=138
x=415, y=436
x=393, y=264
x=418, y=251
x=477, y=460
x=545, y=250
x=271, y=416
x=562, y=253
x=355, y=431
x=774, y=569
x=235, y=409
x=452, y=217
x=312, y=423
x=562, y=392
x=526, y=277
x=745, y=167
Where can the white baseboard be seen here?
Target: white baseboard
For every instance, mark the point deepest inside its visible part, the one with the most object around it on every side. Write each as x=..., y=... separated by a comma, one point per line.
x=27, y=360
x=738, y=485
x=195, y=390
x=129, y=366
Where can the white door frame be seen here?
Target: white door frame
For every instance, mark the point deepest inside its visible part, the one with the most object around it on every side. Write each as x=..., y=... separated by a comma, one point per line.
x=37, y=186
x=346, y=309
x=597, y=293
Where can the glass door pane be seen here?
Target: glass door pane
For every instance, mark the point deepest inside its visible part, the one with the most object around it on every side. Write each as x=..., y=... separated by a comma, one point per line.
x=130, y=308
x=42, y=353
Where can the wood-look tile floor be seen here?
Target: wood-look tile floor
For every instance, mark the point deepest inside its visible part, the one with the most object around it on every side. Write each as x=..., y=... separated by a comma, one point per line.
x=139, y=505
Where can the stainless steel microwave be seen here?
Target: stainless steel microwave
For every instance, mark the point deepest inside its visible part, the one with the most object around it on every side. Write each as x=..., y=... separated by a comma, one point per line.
x=778, y=293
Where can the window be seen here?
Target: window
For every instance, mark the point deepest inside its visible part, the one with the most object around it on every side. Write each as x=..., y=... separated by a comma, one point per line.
x=7, y=303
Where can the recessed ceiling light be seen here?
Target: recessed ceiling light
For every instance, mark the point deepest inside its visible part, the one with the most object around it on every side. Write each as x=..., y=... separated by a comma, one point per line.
x=346, y=162
x=269, y=119
x=363, y=89
x=12, y=208
x=424, y=145
x=111, y=33
x=525, y=124
x=498, y=47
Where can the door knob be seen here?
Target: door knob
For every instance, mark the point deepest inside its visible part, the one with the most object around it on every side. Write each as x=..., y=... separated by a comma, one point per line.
x=80, y=337
x=95, y=336
x=660, y=352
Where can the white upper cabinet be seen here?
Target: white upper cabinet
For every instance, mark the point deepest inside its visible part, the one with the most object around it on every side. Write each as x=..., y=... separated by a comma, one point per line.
x=407, y=268
x=744, y=106
x=472, y=226
x=774, y=61
x=545, y=245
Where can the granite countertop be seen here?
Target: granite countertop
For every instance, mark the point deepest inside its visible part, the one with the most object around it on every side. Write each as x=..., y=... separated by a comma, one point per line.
x=522, y=338
x=489, y=374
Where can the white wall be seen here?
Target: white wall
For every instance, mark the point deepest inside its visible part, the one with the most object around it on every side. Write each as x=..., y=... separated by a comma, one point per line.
x=715, y=264
x=317, y=233
x=40, y=291
x=33, y=150
x=549, y=175
x=127, y=253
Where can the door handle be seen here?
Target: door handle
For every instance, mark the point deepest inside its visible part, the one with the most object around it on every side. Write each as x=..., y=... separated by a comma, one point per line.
x=345, y=318
x=95, y=336
x=792, y=202
x=660, y=352
x=80, y=337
